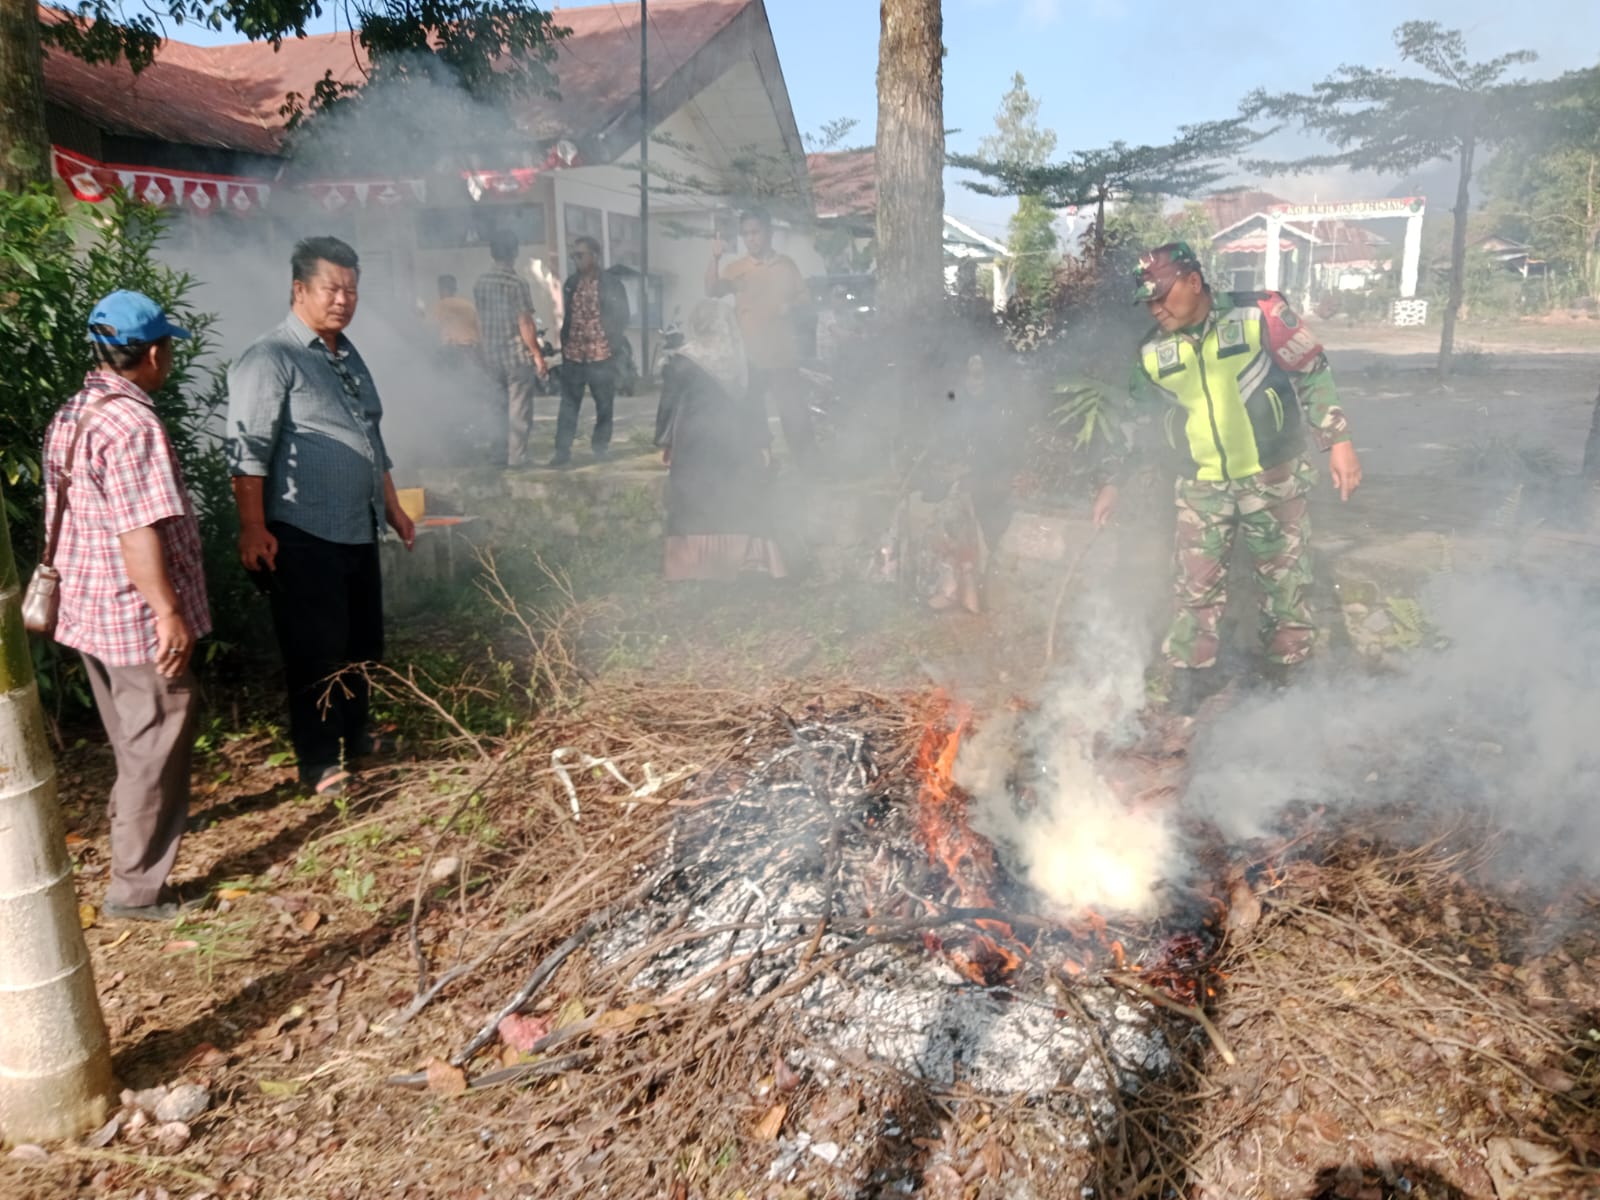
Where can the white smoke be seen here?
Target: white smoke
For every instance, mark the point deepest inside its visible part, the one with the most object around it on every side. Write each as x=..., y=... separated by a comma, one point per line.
x=1081, y=845
x=1502, y=721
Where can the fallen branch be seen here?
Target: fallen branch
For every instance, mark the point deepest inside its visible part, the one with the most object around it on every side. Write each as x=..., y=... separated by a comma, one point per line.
x=533, y=1070
x=1061, y=595
x=1193, y=1013
x=550, y=963
x=529, y=921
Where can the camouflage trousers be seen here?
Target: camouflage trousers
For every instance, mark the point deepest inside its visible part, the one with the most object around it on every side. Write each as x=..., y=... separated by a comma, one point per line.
x=1269, y=509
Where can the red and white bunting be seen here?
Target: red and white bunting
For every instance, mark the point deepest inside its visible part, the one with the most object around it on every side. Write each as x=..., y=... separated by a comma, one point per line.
x=94, y=181
x=500, y=183
x=334, y=195
x=518, y=179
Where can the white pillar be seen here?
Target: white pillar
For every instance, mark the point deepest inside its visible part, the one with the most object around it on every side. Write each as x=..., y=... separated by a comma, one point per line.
x=1274, y=254
x=1412, y=256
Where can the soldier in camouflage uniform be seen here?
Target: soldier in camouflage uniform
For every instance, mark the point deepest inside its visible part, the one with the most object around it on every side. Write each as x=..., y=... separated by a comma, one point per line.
x=1236, y=382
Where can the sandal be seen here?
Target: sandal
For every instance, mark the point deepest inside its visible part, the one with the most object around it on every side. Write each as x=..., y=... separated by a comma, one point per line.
x=332, y=781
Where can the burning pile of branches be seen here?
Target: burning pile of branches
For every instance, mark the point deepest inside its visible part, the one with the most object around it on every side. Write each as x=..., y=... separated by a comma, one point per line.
x=837, y=852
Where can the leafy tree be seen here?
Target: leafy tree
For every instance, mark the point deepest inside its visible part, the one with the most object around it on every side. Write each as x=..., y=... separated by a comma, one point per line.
x=910, y=159
x=1382, y=121
x=830, y=136
x=1192, y=162
x=1033, y=248
x=1017, y=137
x=1545, y=189
x=1018, y=140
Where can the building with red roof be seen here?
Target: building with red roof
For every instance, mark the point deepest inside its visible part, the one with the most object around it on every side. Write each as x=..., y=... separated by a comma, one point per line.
x=202, y=130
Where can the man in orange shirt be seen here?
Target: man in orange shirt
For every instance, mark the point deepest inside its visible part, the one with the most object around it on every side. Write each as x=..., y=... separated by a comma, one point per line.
x=456, y=321
x=771, y=299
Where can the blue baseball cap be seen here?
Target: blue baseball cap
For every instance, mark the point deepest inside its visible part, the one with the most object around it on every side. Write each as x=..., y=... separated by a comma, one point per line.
x=124, y=317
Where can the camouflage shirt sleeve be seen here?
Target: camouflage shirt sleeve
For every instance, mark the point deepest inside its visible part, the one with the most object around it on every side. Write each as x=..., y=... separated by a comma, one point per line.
x=1300, y=354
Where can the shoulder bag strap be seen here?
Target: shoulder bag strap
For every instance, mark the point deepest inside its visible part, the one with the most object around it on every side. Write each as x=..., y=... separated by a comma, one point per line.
x=90, y=410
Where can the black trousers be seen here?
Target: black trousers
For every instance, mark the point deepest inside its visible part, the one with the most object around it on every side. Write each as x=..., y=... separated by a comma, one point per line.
x=601, y=380
x=787, y=393
x=327, y=608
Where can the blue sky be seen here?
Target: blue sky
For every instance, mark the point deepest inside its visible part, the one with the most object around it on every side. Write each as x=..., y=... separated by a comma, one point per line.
x=1110, y=69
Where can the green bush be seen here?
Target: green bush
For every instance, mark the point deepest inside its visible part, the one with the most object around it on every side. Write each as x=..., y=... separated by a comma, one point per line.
x=55, y=263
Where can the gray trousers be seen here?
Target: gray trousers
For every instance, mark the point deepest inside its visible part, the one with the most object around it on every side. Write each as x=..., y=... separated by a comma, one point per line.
x=150, y=722
x=521, y=385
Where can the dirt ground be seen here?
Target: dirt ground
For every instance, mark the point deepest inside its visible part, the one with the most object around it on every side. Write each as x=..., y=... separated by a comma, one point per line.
x=1384, y=1021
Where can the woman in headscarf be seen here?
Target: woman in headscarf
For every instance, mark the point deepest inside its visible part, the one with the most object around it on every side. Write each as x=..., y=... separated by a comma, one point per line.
x=715, y=439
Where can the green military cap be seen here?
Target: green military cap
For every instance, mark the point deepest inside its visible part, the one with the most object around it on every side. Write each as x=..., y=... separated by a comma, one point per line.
x=1160, y=268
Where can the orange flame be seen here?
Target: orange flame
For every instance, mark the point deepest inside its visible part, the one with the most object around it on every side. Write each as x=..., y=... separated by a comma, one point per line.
x=947, y=834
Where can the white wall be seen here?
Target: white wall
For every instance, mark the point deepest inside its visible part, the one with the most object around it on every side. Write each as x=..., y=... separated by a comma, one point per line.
x=681, y=226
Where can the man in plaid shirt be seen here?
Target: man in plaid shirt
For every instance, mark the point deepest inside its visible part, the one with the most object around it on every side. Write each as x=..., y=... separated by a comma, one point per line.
x=133, y=591
x=510, y=341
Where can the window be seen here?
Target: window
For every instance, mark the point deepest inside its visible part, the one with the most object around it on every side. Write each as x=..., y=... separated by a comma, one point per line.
x=626, y=247
x=457, y=228
x=583, y=221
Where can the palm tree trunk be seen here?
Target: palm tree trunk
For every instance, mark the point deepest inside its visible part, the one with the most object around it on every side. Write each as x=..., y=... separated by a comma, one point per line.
x=910, y=160
x=1458, y=256
x=24, y=141
x=55, y=1057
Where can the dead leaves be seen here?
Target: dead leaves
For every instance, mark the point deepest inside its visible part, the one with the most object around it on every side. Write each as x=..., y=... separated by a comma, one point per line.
x=1521, y=1170
x=1244, y=906
x=618, y=1021
x=444, y=1079
x=767, y=1129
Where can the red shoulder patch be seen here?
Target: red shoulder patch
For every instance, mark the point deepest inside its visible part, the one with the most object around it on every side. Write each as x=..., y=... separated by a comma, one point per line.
x=1291, y=343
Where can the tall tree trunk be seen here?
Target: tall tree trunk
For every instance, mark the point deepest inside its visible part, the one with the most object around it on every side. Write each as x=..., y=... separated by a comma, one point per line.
x=910, y=160
x=55, y=1057
x=1458, y=257
x=24, y=141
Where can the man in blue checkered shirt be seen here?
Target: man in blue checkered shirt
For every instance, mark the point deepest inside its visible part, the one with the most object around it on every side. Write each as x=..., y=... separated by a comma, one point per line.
x=509, y=337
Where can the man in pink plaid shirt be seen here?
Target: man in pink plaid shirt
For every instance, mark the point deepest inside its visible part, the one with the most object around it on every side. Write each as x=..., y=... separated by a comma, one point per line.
x=133, y=591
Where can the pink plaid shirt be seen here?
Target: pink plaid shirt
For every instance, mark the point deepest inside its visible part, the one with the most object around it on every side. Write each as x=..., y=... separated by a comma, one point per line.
x=125, y=477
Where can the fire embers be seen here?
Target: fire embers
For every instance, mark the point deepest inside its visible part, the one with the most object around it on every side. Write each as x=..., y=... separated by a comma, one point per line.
x=1071, y=820
x=947, y=834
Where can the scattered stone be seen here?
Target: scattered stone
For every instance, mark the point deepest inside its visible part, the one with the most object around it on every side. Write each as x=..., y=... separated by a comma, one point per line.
x=444, y=869
x=145, y=1100
x=28, y=1152
x=828, y=1152
x=183, y=1103
x=172, y=1136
